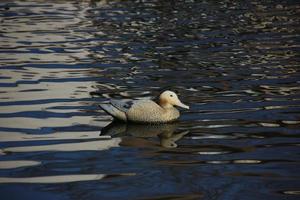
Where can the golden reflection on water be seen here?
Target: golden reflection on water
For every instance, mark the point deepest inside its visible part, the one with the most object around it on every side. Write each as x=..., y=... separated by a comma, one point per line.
x=59, y=178
x=46, y=91
x=98, y=145
x=9, y=137
x=18, y=163
x=53, y=179
x=292, y=192
x=35, y=123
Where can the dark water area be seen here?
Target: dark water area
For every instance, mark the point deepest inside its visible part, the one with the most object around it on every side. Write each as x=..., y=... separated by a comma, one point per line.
x=235, y=63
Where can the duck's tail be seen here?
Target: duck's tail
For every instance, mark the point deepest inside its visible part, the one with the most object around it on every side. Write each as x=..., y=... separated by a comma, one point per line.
x=113, y=111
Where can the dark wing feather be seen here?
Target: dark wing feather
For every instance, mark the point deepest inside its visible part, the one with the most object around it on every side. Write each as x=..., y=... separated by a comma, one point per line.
x=123, y=105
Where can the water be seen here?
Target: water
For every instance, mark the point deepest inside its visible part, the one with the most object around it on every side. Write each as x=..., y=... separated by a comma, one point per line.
x=235, y=63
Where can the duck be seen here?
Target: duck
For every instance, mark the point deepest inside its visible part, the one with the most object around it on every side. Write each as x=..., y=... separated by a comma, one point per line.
x=145, y=111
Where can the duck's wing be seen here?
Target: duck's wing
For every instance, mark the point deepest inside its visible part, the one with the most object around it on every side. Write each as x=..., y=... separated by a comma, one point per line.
x=116, y=109
x=123, y=105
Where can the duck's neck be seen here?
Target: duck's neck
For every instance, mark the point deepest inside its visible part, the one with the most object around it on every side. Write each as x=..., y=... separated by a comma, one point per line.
x=164, y=104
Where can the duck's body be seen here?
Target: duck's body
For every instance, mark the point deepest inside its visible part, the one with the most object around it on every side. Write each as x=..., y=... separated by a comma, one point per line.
x=145, y=111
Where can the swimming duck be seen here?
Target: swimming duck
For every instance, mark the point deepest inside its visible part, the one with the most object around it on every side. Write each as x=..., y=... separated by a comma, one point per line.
x=146, y=111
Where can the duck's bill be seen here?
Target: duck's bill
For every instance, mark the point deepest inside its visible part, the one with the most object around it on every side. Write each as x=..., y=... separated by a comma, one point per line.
x=183, y=105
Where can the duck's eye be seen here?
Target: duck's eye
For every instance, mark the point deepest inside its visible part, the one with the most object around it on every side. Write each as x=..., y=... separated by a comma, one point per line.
x=171, y=95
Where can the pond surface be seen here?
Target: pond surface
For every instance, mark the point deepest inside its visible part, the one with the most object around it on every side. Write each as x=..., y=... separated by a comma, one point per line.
x=235, y=63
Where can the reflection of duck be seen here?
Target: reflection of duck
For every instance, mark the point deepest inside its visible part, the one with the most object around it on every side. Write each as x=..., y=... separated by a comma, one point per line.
x=146, y=111
x=166, y=132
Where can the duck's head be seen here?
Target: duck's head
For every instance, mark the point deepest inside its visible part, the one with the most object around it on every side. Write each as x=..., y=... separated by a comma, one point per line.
x=168, y=99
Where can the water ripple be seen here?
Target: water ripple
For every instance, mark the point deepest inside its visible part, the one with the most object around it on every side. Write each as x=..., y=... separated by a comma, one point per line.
x=235, y=63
